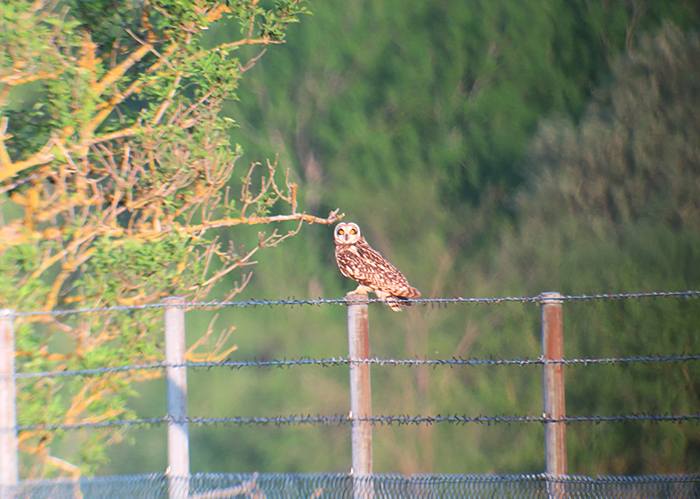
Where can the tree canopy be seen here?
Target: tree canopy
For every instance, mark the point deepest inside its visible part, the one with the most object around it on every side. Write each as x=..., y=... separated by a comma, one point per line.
x=115, y=165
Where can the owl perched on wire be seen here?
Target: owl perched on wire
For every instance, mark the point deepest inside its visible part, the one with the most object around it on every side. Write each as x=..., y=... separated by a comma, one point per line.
x=358, y=261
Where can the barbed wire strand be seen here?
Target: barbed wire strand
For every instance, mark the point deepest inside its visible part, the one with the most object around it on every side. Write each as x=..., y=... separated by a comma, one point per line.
x=343, y=361
x=377, y=420
x=341, y=301
x=399, y=420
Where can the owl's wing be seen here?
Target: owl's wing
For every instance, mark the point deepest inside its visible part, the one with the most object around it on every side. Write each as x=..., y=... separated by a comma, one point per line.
x=369, y=268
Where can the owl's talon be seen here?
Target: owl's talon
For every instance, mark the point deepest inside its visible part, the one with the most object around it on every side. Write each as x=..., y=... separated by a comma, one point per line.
x=361, y=290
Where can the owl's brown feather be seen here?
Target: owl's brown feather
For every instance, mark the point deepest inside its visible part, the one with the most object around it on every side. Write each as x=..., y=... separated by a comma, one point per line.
x=358, y=261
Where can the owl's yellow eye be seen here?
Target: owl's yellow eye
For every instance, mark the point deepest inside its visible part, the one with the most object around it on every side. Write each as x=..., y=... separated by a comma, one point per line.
x=341, y=232
x=353, y=231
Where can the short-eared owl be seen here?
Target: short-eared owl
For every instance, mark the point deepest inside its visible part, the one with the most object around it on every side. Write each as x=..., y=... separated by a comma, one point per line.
x=358, y=261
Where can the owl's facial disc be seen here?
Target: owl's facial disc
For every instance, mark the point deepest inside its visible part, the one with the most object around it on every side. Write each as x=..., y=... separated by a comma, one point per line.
x=347, y=232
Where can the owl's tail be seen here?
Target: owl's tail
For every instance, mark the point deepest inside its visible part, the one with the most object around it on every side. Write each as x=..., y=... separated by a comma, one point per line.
x=398, y=301
x=395, y=303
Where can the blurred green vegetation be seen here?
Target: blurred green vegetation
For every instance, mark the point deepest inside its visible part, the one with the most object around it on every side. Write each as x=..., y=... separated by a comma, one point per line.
x=487, y=149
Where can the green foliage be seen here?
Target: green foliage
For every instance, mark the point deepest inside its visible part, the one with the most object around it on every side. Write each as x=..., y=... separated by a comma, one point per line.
x=612, y=205
x=142, y=265
x=114, y=165
x=376, y=90
x=418, y=120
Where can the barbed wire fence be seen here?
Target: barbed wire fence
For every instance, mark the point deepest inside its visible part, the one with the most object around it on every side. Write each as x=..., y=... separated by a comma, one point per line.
x=554, y=482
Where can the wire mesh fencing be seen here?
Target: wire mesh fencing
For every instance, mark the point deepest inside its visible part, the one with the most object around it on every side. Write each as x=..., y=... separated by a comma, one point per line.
x=345, y=486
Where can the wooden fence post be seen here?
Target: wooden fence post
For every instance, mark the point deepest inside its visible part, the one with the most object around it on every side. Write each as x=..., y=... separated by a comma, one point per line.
x=176, y=376
x=9, y=462
x=360, y=396
x=553, y=390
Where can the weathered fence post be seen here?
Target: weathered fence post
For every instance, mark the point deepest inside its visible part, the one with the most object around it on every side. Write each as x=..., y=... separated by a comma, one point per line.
x=176, y=376
x=9, y=462
x=553, y=390
x=360, y=396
